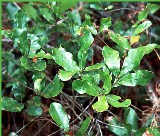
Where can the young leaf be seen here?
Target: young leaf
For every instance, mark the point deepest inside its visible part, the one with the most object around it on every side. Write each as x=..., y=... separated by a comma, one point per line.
x=105, y=23
x=120, y=40
x=140, y=77
x=66, y=75
x=85, y=41
x=84, y=127
x=135, y=55
x=40, y=65
x=30, y=11
x=94, y=67
x=142, y=15
x=140, y=28
x=83, y=86
x=134, y=39
x=153, y=7
x=64, y=59
x=53, y=89
x=59, y=115
x=113, y=100
x=42, y=54
x=130, y=117
x=11, y=105
x=34, y=110
x=112, y=60
x=101, y=105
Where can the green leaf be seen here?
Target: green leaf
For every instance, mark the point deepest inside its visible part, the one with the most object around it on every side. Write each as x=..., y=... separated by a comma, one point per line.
x=84, y=41
x=130, y=117
x=40, y=65
x=64, y=5
x=25, y=62
x=84, y=127
x=20, y=40
x=42, y=54
x=89, y=25
x=18, y=88
x=101, y=105
x=105, y=23
x=39, y=81
x=107, y=85
x=143, y=26
x=11, y=105
x=96, y=6
x=34, y=110
x=30, y=11
x=135, y=56
x=154, y=131
x=153, y=7
x=140, y=131
x=64, y=59
x=46, y=13
x=94, y=67
x=113, y=100
x=21, y=19
x=59, y=115
x=66, y=75
x=82, y=87
x=120, y=40
x=34, y=45
x=140, y=77
x=75, y=17
x=118, y=26
x=53, y=89
x=142, y=15
x=112, y=60
x=118, y=128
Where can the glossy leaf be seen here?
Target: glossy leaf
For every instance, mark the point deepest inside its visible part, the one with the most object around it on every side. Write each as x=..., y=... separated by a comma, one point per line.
x=30, y=11
x=89, y=25
x=40, y=65
x=112, y=60
x=130, y=117
x=142, y=15
x=107, y=85
x=46, y=13
x=113, y=100
x=11, y=105
x=120, y=40
x=143, y=26
x=59, y=115
x=118, y=128
x=34, y=110
x=84, y=127
x=21, y=19
x=34, y=45
x=101, y=105
x=53, y=89
x=66, y=75
x=135, y=56
x=153, y=7
x=39, y=81
x=25, y=62
x=82, y=87
x=64, y=59
x=94, y=67
x=18, y=88
x=75, y=16
x=85, y=42
x=140, y=77
x=42, y=54
x=105, y=23
x=134, y=39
